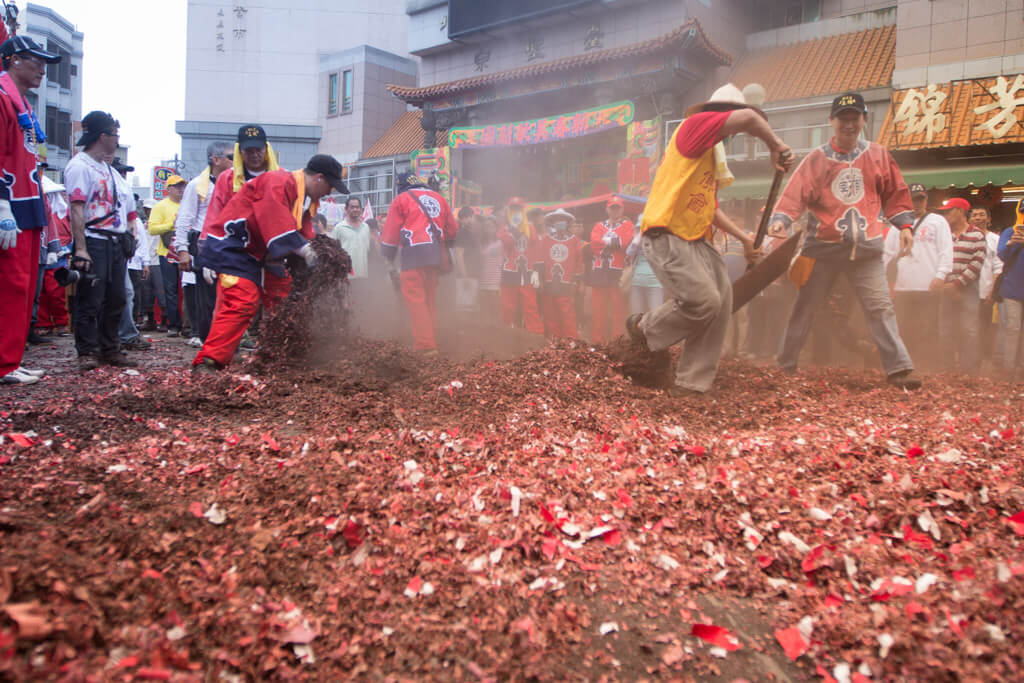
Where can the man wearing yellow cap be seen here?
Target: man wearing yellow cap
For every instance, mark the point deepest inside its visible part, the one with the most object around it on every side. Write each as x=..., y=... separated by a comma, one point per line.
x=161, y=224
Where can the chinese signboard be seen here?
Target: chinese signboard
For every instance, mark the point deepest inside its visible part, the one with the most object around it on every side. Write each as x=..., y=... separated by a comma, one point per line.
x=982, y=111
x=160, y=176
x=643, y=153
x=548, y=129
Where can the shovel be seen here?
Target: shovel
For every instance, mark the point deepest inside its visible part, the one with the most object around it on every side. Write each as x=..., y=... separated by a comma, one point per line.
x=765, y=272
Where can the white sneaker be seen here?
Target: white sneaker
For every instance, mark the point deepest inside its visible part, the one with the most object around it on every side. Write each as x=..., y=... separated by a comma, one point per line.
x=18, y=377
x=196, y=342
x=35, y=372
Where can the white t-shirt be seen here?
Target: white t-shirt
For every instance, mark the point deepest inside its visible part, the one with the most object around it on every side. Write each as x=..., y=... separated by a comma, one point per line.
x=490, y=266
x=356, y=241
x=94, y=183
x=992, y=266
x=931, y=256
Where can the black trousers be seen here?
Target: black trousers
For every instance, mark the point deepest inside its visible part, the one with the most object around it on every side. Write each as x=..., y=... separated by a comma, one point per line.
x=99, y=302
x=140, y=286
x=169, y=274
x=205, y=297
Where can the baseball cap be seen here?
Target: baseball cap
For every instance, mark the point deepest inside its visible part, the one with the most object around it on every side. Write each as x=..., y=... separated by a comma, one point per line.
x=851, y=101
x=917, y=189
x=121, y=167
x=20, y=44
x=173, y=180
x=616, y=201
x=956, y=203
x=516, y=201
x=251, y=136
x=329, y=168
x=95, y=124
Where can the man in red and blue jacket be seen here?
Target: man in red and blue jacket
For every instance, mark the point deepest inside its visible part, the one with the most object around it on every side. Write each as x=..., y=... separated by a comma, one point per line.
x=561, y=273
x=420, y=233
x=520, y=277
x=609, y=240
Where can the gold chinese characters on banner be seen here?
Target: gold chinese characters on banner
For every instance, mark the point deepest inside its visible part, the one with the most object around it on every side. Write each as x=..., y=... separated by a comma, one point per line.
x=982, y=111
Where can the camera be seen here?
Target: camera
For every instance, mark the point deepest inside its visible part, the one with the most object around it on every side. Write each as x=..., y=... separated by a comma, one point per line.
x=75, y=273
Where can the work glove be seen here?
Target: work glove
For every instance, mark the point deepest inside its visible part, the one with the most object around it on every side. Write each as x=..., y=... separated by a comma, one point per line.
x=51, y=258
x=209, y=275
x=535, y=280
x=8, y=228
x=308, y=255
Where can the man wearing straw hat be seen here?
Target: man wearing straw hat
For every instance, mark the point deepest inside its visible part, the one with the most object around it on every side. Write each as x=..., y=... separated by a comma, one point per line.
x=677, y=222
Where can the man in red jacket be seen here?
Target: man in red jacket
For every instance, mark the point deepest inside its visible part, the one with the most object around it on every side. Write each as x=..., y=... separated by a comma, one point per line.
x=520, y=278
x=22, y=207
x=420, y=231
x=562, y=272
x=268, y=219
x=609, y=240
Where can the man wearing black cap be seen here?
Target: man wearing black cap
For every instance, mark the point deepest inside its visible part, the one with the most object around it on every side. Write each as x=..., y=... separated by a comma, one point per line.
x=22, y=207
x=917, y=276
x=99, y=231
x=265, y=222
x=847, y=185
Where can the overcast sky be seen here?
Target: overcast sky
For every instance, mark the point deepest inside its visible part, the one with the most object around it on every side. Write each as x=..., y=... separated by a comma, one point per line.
x=134, y=68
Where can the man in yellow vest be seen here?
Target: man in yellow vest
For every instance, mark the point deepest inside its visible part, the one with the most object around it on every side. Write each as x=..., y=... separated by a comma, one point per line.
x=677, y=222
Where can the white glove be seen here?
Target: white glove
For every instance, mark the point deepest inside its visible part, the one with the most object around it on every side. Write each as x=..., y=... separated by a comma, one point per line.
x=535, y=279
x=51, y=258
x=308, y=255
x=609, y=237
x=209, y=275
x=8, y=228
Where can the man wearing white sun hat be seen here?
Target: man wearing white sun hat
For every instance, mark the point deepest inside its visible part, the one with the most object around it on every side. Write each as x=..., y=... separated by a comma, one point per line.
x=677, y=222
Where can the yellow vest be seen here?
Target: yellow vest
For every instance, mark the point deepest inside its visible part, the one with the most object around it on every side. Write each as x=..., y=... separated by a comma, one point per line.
x=682, y=198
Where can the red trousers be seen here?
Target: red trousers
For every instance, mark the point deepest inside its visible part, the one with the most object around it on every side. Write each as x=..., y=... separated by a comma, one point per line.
x=609, y=312
x=53, y=304
x=560, y=316
x=19, y=268
x=238, y=299
x=419, y=292
x=514, y=298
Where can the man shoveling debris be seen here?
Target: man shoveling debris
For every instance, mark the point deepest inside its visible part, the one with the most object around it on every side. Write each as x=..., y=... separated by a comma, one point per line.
x=268, y=219
x=677, y=222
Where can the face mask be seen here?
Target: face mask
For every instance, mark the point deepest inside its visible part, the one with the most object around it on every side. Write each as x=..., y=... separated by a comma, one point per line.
x=515, y=219
x=561, y=226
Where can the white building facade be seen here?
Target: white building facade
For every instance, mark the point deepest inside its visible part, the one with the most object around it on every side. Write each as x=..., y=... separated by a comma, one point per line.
x=58, y=101
x=270, y=62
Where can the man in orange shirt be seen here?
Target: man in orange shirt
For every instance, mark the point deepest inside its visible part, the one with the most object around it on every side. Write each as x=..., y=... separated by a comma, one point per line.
x=677, y=222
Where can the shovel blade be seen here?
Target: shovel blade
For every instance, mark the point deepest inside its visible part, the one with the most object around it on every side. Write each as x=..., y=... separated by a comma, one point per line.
x=764, y=273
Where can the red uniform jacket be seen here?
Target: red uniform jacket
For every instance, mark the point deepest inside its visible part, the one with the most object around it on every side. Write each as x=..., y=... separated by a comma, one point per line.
x=610, y=258
x=257, y=228
x=409, y=234
x=562, y=263
x=19, y=176
x=520, y=256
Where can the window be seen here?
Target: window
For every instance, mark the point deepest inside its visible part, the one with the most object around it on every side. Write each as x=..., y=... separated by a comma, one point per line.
x=59, y=73
x=51, y=125
x=776, y=14
x=346, y=91
x=332, y=94
x=74, y=70
x=63, y=130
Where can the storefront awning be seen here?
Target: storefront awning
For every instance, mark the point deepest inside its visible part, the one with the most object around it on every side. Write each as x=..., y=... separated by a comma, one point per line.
x=961, y=175
x=939, y=177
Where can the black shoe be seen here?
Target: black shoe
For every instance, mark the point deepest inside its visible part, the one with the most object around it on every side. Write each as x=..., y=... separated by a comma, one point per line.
x=173, y=333
x=136, y=344
x=161, y=328
x=206, y=366
x=88, y=361
x=34, y=338
x=118, y=359
x=148, y=326
x=905, y=379
x=636, y=335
